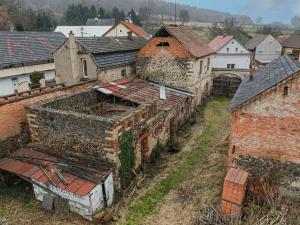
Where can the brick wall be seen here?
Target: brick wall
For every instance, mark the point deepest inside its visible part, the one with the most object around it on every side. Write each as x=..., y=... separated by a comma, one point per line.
x=269, y=126
x=13, y=121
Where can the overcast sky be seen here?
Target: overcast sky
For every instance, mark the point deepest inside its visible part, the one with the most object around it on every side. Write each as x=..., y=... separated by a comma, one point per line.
x=269, y=10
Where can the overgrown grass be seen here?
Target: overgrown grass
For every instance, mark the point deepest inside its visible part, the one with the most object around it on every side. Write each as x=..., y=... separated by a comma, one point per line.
x=214, y=114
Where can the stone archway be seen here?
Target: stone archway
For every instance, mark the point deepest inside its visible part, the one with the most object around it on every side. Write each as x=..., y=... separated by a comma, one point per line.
x=226, y=85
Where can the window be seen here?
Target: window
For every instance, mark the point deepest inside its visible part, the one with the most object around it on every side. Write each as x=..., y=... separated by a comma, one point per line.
x=15, y=83
x=286, y=91
x=201, y=67
x=84, y=68
x=233, y=149
x=228, y=49
x=237, y=49
x=123, y=73
x=230, y=66
x=163, y=44
x=208, y=63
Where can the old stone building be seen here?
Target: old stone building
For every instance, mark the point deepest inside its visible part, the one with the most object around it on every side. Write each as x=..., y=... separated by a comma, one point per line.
x=291, y=45
x=122, y=122
x=178, y=57
x=265, y=128
x=96, y=58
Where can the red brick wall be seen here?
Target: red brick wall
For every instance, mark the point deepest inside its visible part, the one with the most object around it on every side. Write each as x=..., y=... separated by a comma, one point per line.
x=175, y=48
x=12, y=115
x=269, y=126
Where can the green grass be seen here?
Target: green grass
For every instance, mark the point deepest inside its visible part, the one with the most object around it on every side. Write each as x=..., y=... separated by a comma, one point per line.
x=214, y=114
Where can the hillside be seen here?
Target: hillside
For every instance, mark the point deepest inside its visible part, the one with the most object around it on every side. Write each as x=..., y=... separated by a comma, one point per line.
x=159, y=7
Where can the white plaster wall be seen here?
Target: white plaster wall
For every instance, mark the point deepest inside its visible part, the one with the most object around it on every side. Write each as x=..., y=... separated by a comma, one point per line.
x=6, y=85
x=240, y=61
x=232, y=53
x=119, y=31
x=49, y=75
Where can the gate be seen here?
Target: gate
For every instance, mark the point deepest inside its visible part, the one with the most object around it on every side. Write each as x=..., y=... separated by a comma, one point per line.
x=226, y=86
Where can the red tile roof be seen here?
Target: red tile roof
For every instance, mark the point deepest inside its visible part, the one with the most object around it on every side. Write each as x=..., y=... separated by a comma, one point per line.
x=135, y=29
x=140, y=92
x=30, y=164
x=221, y=40
x=189, y=39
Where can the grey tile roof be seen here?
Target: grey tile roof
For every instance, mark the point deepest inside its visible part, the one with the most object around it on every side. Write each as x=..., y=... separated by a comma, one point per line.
x=112, y=44
x=100, y=22
x=28, y=48
x=264, y=79
x=256, y=40
x=111, y=60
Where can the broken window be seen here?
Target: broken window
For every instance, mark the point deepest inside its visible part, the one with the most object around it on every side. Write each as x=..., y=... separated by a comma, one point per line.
x=163, y=44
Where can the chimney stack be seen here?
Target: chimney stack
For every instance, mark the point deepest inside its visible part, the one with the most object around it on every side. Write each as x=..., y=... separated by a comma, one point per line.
x=252, y=71
x=129, y=35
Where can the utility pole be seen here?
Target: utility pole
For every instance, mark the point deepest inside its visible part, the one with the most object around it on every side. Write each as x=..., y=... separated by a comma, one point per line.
x=175, y=12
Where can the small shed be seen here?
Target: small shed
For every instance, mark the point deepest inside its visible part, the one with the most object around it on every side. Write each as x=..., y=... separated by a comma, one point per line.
x=64, y=183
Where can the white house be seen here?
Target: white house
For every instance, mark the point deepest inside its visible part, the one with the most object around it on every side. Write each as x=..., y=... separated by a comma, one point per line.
x=122, y=29
x=23, y=53
x=229, y=53
x=83, y=31
x=264, y=49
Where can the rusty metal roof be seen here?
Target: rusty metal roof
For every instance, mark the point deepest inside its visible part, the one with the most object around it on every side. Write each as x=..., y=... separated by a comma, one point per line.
x=141, y=92
x=220, y=41
x=189, y=39
x=34, y=165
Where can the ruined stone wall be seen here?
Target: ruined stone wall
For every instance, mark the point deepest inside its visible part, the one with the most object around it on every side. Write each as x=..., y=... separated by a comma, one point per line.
x=269, y=125
x=14, y=130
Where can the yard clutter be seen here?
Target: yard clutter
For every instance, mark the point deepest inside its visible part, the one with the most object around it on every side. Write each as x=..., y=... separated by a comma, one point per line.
x=64, y=184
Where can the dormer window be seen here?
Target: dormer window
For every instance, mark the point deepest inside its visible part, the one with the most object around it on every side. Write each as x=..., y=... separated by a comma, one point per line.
x=163, y=44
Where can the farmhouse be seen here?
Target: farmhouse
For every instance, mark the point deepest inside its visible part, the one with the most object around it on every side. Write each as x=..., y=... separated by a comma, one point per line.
x=178, y=57
x=231, y=64
x=264, y=49
x=292, y=45
x=122, y=122
x=96, y=58
x=123, y=28
x=265, y=134
x=23, y=53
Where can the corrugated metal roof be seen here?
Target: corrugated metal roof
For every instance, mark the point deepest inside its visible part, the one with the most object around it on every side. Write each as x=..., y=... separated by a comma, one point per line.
x=265, y=78
x=112, y=44
x=189, y=39
x=17, y=48
x=220, y=41
x=30, y=163
x=83, y=31
x=111, y=60
x=141, y=92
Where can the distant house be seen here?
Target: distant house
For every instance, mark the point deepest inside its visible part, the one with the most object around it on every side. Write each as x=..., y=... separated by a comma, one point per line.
x=292, y=45
x=265, y=134
x=231, y=63
x=177, y=56
x=264, y=49
x=83, y=31
x=23, y=53
x=96, y=58
x=123, y=28
x=100, y=22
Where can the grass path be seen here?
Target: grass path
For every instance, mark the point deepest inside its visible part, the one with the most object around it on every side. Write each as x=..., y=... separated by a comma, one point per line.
x=214, y=115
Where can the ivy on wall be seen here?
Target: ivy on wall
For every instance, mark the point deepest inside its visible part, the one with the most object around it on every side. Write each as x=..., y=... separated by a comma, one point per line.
x=127, y=158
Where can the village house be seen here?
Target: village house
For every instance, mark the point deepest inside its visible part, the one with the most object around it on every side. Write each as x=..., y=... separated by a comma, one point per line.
x=231, y=64
x=122, y=29
x=121, y=122
x=265, y=134
x=23, y=53
x=97, y=58
x=178, y=57
x=292, y=45
x=83, y=31
x=264, y=49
